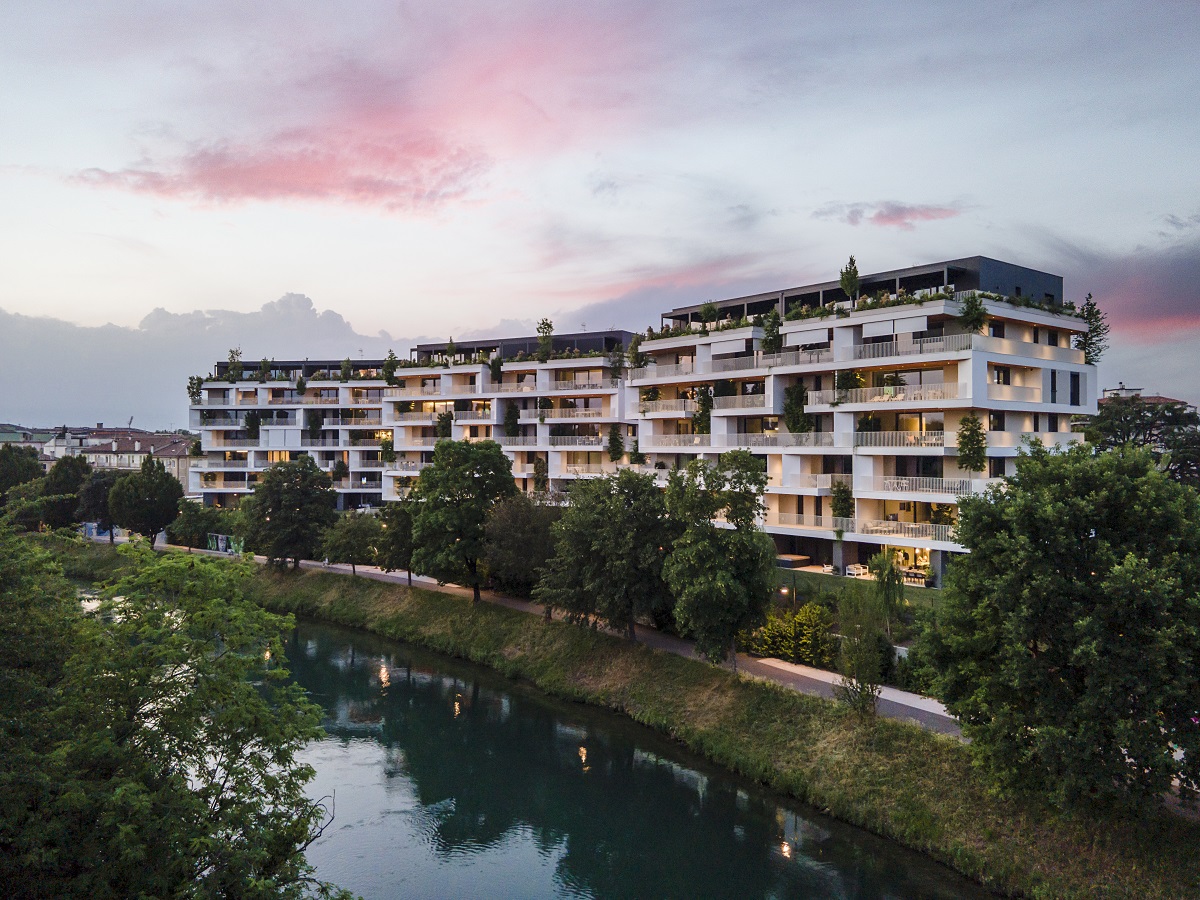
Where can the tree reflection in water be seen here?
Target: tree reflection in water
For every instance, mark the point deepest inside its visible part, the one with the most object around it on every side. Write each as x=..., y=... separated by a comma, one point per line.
x=623, y=811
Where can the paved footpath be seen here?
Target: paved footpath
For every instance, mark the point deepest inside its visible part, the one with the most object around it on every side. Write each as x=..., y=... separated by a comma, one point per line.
x=893, y=703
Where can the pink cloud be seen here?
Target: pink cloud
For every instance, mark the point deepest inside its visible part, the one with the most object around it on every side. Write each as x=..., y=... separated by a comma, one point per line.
x=887, y=213
x=408, y=124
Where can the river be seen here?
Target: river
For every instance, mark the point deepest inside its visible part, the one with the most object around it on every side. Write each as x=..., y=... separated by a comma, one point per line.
x=449, y=780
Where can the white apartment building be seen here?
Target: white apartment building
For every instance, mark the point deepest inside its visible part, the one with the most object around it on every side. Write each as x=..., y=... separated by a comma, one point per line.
x=892, y=440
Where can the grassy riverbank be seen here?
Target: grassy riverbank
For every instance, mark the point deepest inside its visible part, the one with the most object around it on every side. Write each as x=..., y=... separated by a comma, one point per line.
x=893, y=779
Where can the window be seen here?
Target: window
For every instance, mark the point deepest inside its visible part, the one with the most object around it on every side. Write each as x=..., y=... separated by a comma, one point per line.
x=1002, y=375
x=1052, y=338
x=996, y=329
x=996, y=420
x=1037, y=423
x=1017, y=291
x=1075, y=389
x=1037, y=334
x=1052, y=422
x=1054, y=385
x=995, y=467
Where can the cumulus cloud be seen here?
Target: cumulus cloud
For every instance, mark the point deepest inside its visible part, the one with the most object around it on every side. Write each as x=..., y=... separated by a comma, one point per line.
x=109, y=373
x=886, y=213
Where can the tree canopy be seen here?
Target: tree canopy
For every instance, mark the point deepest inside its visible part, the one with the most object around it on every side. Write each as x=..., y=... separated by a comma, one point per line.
x=394, y=548
x=519, y=542
x=454, y=496
x=1170, y=430
x=609, y=547
x=972, y=444
x=722, y=578
x=17, y=466
x=1094, y=341
x=93, y=499
x=292, y=503
x=1068, y=641
x=146, y=501
x=156, y=753
x=352, y=539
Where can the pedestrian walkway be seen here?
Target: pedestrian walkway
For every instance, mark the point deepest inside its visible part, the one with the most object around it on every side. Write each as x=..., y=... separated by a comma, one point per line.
x=893, y=703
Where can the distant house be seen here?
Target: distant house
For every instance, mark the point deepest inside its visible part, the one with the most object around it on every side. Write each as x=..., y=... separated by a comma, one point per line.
x=127, y=453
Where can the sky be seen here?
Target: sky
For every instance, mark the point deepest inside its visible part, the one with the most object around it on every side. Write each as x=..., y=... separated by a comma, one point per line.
x=313, y=179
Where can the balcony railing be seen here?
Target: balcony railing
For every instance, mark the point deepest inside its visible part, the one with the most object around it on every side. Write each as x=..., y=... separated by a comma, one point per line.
x=818, y=482
x=405, y=467
x=473, y=415
x=951, y=343
x=370, y=464
x=429, y=391
x=778, y=439
x=677, y=440
x=603, y=384
x=657, y=406
x=588, y=469
x=736, y=363
x=745, y=401
x=900, y=439
x=419, y=416
x=340, y=421
x=221, y=464
x=518, y=441
x=804, y=520
x=576, y=440
x=797, y=358
x=509, y=387
x=917, y=530
x=1014, y=392
x=236, y=442
x=917, y=393
x=559, y=413
x=319, y=442
x=915, y=485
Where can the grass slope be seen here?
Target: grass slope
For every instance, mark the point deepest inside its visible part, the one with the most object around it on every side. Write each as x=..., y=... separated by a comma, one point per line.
x=896, y=780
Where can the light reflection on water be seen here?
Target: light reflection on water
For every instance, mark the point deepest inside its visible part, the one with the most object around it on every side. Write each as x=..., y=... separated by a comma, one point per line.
x=450, y=781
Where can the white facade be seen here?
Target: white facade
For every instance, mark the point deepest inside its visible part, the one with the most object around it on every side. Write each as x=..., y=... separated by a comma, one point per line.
x=894, y=443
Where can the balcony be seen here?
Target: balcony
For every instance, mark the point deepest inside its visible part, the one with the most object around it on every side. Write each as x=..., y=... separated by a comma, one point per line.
x=234, y=442
x=576, y=440
x=816, y=482
x=777, y=439
x=603, y=384
x=559, y=413
x=1014, y=392
x=677, y=440
x=923, y=531
x=473, y=415
x=797, y=358
x=511, y=387
x=958, y=487
x=804, y=520
x=745, y=401
x=420, y=416
x=951, y=343
x=429, y=391
x=588, y=469
x=517, y=441
x=900, y=439
x=918, y=393
x=650, y=407
x=671, y=371
x=370, y=464
x=319, y=442
x=214, y=464
x=418, y=441
x=336, y=421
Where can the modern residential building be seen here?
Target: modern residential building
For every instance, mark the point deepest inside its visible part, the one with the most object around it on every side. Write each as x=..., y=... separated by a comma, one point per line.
x=891, y=437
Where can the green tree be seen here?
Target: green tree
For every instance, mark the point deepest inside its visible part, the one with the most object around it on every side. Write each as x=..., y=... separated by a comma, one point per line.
x=93, y=500
x=60, y=491
x=616, y=443
x=616, y=361
x=722, y=578
x=545, y=341
x=253, y=424
x=608, y=553
x=340, y=470
x=314, y=421
x=889, y=587
x=17, y=466
x=292, y=504
x=352, y=539
x=389, y=368
x=195, y=389
x=496, y=368
x=194, y=524
x=848, y=279
x=301, y=385
x=1170, y=430
x=972, y=314
x=972, y=444
x=347, y=369
x=841, y=500
x=264, y=370
x=637, y=359
x=795, y=399
x=772, y=340
x=702, y=417
x=519, y=542
x=456, y=493
x=846, y=380
x=394, y=548
x=541, y=475
x=859, y=619
x=512, y=420
x=636, y=456
x=166, y=766
x=1068, y=638
x=387, y=450
x=233, y=373
x=1094, y=341
x=146, y=501
x=708, y=315
x=443, y=426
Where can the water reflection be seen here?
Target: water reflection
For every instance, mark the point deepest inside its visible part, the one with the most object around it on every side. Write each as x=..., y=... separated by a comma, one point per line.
x=454, y=782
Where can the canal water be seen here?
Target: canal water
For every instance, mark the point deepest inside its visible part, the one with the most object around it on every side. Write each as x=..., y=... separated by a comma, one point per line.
x=448, y=780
